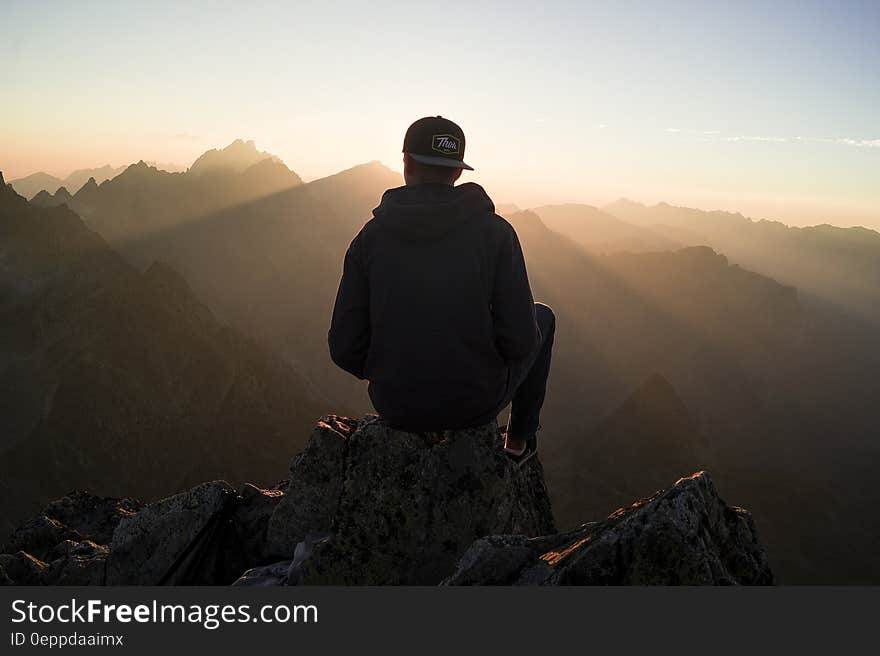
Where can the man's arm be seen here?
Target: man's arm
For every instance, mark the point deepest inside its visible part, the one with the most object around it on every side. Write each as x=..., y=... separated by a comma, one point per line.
x=349, y=336
x=513, y=308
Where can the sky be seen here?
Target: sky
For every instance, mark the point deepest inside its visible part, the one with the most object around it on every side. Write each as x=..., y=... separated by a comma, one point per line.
x=768, y=108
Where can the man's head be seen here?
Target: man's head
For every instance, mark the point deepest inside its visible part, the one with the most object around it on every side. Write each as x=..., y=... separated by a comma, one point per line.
x=433, y=152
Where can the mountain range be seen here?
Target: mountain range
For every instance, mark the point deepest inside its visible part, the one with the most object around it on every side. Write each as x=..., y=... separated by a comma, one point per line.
x=261, y=248
x=35, y=183
x=114, y=379
x=602, y=233
x=828, y=264
x=678, y=346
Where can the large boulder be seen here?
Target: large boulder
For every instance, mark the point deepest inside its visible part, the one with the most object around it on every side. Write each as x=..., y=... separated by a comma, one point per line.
x=255, y=508
x=168, y=541
x=685, y=535
x=317, y=477
x=401, y=507
x=205, y=536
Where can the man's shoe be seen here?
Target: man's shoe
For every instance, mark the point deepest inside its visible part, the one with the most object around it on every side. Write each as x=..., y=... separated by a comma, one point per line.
x=524, y=456
x=521, y=456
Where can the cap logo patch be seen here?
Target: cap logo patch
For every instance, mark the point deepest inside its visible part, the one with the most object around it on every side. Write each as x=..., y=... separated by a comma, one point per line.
x=445, y=143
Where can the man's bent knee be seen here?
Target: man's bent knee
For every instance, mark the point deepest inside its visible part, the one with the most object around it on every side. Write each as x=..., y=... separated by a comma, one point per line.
x=546, y=318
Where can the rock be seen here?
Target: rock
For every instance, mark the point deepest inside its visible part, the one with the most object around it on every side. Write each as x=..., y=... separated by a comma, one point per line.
x=265, y=576
x=402, y=507
x=286, y=572
x=4, y=577
x=178, y=540
x=227, y=531
x=22, y=569
x=303, y=554
x=77, y=516
x=685, y=535
x=255, y=508
x=317, y=476
x=93, y=517
x=79, y=563
x=66, y=544
x=39, y=536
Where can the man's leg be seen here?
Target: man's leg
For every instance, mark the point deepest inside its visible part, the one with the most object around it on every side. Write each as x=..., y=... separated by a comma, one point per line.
x=530, y=385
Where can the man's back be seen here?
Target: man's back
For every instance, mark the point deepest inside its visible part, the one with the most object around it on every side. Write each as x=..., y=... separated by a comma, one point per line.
x=434, y=306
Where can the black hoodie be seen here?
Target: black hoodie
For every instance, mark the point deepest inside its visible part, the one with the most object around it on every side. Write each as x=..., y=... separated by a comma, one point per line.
x=433, y=307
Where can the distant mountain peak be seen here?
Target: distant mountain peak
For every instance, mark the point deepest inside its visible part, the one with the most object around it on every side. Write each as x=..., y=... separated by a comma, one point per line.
x=627, y=202
x=140, y=167
x=373, y=166
x=166, y=280
x=164, y=272
x=531, y=215
x=8, y=194
x=530, y=223
x=29, y=185
x=47, y=199
x=236, y=157
x=654, y=407
x=657, y=386
x=88, y=188
x=507, y=208
x=136, y=171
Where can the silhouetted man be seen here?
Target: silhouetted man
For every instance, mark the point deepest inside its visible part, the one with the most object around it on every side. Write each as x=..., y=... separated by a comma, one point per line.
x=434, y=306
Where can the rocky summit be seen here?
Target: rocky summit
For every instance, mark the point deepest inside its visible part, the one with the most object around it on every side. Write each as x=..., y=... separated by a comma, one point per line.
x=400, y=508
x=367, y=504
x=685, y=535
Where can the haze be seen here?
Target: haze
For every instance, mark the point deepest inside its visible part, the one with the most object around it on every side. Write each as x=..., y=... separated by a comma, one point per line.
x=765, y=108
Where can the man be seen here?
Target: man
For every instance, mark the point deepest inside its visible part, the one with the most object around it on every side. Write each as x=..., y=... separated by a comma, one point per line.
x=434, y=306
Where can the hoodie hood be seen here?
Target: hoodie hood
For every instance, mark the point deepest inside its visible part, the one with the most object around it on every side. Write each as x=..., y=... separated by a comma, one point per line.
x=427, y=212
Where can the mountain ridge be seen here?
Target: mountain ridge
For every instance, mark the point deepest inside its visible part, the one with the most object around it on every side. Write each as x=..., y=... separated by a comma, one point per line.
x=106, y=371
x=29, y=186
x=834, y=264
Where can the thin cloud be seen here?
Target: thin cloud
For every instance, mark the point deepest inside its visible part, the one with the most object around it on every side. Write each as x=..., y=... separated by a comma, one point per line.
x=845, y=141
x=842, y=141
x=186, y=136
x=716, y=136
x=753, y=138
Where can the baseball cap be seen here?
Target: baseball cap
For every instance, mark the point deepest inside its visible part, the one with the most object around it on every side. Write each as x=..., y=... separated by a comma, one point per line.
x=436, y=141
